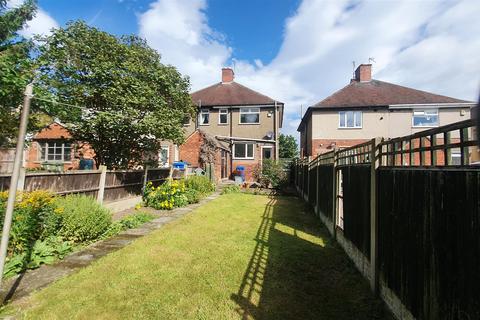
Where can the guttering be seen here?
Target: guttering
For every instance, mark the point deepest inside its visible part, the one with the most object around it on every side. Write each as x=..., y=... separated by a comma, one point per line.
x=431, y=105
x=245, y=139
x=243, y=106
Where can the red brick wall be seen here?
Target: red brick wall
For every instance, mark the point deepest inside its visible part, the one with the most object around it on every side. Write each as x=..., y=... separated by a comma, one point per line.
x=320, y=146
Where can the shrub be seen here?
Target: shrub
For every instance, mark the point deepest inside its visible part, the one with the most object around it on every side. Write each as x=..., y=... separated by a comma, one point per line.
x=200, y=183
x=166, y=196
x=193, y=196
x=31, y=214
x=270, y=174
x=231, y=189
x=82, y=218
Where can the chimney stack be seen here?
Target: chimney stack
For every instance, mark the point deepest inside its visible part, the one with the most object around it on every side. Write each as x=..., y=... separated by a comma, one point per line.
x=227, y=75
x=363, y=73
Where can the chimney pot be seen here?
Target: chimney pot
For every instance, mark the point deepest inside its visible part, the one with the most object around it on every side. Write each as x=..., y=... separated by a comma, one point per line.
x=227, y=75
x=363, y=73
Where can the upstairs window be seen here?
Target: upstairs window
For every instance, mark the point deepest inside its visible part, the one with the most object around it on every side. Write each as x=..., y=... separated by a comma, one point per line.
x=204, y=117
x=249, y=115
x=425, y=118
x=243, y=150
x=223, y=116
x=350, y=119
x=55, y=151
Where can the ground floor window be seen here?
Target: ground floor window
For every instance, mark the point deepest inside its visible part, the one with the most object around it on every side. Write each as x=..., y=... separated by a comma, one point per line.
x=55, y=151
x=243, y=150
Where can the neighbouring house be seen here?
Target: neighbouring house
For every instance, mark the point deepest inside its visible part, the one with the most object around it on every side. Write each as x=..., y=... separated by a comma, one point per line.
x=368, y=108
x=54, y=146
x=245, y=123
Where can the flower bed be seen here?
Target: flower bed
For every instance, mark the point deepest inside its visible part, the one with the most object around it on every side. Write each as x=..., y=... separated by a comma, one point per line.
x=177, y=193
x=46, y=228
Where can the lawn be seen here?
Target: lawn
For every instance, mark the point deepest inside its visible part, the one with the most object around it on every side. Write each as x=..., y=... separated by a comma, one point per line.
x=240, y=256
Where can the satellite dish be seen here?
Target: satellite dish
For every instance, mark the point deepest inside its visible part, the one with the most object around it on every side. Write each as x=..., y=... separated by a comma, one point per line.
x=270, y=135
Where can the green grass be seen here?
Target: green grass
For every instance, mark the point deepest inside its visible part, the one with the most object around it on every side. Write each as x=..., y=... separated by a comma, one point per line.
x=239, y=256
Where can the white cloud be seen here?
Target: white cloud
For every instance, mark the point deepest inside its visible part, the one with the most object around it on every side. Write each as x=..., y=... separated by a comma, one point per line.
x=41, y=24
x=179, y=31
x=429, y=45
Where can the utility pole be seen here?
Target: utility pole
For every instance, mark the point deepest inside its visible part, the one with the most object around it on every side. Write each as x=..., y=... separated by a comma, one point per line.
x=12, y=191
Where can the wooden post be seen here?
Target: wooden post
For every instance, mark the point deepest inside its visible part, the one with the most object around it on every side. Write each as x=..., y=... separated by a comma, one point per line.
x=335, y=189
x=21, y=180
x=374, y=216
x=101, y=184
x=317, y=208
x=145, y=178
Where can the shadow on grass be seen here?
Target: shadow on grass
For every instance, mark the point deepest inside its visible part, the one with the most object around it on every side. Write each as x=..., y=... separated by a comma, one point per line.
x=297, y=272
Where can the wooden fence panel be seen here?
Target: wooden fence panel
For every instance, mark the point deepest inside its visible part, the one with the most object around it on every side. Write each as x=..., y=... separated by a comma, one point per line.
x=4, y=182
x=429, y=243
x=312, y=186
x=63, y=183
x=123, y=184
x=325, y=190
x=356, y=206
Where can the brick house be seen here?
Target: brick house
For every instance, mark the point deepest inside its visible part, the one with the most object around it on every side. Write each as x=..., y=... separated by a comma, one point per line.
x=245, y=123
x=54, y=145
x=368, y=108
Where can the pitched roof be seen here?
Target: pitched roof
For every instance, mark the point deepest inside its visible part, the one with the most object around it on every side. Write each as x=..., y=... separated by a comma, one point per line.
x=54, y=130
x=376, y=93
x=230, y=94
x=380, y=93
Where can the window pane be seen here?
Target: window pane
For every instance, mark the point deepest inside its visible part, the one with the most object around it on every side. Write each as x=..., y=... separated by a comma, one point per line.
x=427, y=118
x=223, y=118
x=358, y=118
x=349, y=119
x=342, y=119
x=239, y=150
x=250, y=150
x=205, y=118
x=250, y=118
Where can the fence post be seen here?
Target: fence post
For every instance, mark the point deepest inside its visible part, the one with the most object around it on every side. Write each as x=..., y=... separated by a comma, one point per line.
x=335, y=188
x=374, y=279
x=101, y=184
x=317, y=208
x=21, y=180
x=145, y=178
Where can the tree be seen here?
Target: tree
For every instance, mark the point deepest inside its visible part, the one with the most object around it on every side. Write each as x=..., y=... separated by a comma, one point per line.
x=16, y=69
x=288, y=147
x=130, y=101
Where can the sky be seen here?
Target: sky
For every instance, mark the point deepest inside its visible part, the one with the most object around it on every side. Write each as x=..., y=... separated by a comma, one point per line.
x=296, y=51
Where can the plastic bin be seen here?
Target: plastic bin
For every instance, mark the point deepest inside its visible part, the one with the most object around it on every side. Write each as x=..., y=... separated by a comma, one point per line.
x=241, y=171
x=179, y=165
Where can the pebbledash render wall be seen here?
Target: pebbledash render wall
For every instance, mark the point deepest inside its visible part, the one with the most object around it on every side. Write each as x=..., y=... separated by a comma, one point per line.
x=325, y=133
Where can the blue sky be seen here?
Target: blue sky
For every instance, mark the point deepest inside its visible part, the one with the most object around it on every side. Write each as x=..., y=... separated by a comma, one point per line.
x=296, y=51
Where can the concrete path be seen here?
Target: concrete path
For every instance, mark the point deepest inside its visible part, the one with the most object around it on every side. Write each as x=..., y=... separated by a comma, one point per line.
x=18, y=287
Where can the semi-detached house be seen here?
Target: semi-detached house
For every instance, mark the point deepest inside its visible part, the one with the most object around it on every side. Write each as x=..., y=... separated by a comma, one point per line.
x=368, y=108
x=245, y=123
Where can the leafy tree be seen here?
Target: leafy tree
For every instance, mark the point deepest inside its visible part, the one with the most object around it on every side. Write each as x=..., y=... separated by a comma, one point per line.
x=130, y=101
x=16, y=69
x=288, y=147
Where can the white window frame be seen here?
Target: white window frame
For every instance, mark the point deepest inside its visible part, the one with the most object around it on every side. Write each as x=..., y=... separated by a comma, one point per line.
x=47, y=145
x=167, y=163
x=203, y=111
x=456, y=155
x=249, y=110
x=223, y=111
x=344, y=115
x=246, y=151
x=424, y=111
